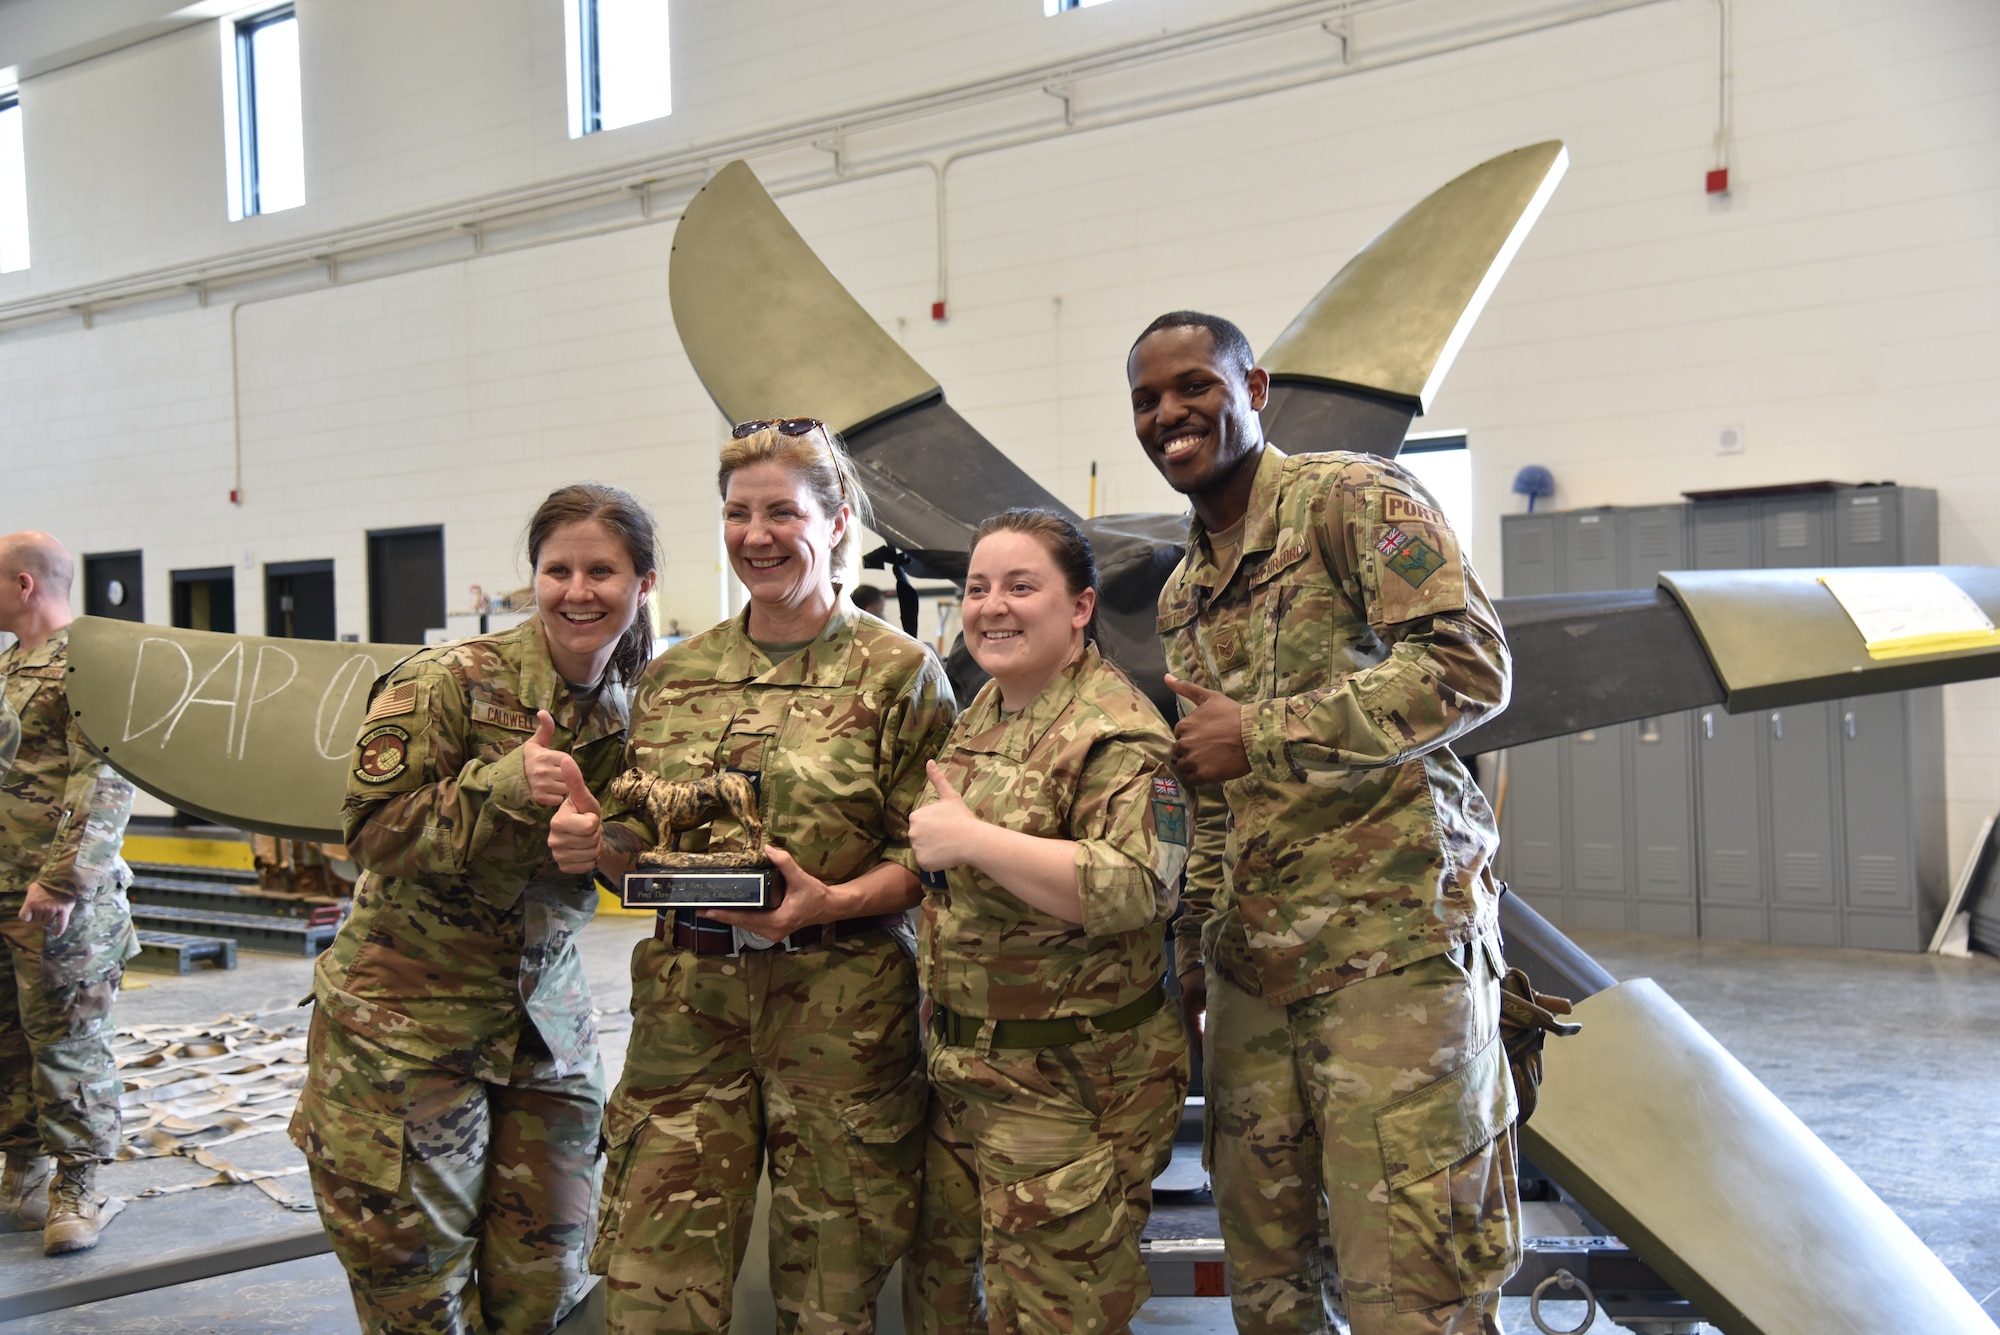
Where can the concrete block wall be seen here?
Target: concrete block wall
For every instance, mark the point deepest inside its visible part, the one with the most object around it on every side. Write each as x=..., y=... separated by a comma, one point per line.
x=1841, y=305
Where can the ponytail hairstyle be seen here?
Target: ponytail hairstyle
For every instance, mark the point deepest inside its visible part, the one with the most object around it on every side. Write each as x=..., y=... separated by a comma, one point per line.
x=632, y=524
x=1063, y=541
x=817, y=457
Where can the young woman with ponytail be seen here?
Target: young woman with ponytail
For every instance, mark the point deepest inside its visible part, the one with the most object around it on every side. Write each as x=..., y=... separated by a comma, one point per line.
x=454, y=1101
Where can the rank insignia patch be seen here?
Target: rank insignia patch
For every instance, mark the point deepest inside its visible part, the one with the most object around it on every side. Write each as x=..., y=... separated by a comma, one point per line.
x=1169, y=815
x=1411, y=557
x=385, y=753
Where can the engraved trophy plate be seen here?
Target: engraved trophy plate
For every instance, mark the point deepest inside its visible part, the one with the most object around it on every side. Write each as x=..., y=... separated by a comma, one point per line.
x=667, y=878
x=751, y=888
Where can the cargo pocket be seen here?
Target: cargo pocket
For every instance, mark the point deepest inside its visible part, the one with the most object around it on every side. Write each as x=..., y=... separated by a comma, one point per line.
x=885, y=1151
x=1061, y=1241
x=1454, y=1207
x=886, y=1120
x=360, y=1146
x=1049, y=1198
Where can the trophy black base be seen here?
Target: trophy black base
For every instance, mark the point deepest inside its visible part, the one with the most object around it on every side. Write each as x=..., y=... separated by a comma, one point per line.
x=730, y=888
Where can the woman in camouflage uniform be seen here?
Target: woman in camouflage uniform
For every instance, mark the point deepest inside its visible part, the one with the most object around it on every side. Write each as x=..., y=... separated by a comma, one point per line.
x=788, y=1035
x=452, y=1113
x=1057, y=1071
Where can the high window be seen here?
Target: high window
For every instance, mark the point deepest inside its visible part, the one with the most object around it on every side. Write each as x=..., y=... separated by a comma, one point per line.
x=618, y=68
x=13, y=187
x=268, y=157
x=1444, y=466
x=1060, y=6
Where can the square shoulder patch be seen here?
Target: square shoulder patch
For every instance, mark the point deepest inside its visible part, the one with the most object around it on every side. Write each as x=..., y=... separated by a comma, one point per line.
x=1169, y=812
x=1409, y=556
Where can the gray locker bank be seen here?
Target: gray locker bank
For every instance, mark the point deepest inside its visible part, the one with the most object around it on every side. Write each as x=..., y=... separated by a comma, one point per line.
x=1821, y=824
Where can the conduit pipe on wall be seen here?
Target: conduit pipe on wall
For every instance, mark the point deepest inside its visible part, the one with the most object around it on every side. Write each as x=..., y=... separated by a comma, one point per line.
x=642, y=180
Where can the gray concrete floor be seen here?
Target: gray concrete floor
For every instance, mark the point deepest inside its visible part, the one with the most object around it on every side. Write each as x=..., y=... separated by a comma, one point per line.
x=1894, y=1060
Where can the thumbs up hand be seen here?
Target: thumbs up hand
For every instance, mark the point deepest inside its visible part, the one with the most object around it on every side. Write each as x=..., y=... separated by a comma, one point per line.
x=576, y=831
x=943, y=832
x=543, y=764
x=1208, y=741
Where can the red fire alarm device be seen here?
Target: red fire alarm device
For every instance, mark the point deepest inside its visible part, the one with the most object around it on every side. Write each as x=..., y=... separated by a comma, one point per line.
x=937, y=310
x=1718, y=181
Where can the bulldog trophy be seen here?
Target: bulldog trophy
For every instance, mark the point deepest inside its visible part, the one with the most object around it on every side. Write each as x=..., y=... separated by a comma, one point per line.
x=669, y=878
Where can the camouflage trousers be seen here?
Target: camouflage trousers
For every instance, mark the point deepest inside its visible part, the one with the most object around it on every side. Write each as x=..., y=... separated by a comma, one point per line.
x=1039, y=1174
x=457, y=1206
x=1392, y=1096
x=806, y=1060
x=58, y=1084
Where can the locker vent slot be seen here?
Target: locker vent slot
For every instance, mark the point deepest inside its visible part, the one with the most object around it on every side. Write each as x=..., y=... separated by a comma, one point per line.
x=1652, y=537
x=1864, y=522
x=1877, y=875
x=1587, y=539
x=1530, y=545
x=1597, y=865
x=1805, y=871
x=1724, y=540
x=1794, y=530
x=1535, y=862
x=1731, y=867
x=1661, y=865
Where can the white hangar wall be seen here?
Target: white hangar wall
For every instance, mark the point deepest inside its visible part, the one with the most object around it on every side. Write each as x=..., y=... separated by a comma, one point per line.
x=1841, y=305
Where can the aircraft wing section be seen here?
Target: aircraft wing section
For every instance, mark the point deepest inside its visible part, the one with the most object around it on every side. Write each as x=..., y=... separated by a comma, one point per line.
x=240, y=729
x=1660, y=1133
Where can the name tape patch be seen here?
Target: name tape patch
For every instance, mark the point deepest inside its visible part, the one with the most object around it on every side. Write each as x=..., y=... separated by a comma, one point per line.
x=1396, y=507
x=485, y=711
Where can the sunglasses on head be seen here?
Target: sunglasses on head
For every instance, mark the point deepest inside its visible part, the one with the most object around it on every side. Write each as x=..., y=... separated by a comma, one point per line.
x=787, y=426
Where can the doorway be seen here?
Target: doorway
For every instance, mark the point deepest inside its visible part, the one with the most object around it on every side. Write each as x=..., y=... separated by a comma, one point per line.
x=205, y=599
x=405, y=584
x=298, y=600
x=114, y=585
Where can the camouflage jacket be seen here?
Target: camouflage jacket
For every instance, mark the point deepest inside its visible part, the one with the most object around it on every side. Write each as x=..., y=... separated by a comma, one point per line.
x=1087, y=760
x=463, y=927
x=62, y=822
x=1359, y=643
x=837, y=734
x=10, y=731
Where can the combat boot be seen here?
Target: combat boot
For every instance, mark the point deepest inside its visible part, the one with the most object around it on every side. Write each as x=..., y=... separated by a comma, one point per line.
x=24, y=1192
x=73, y=1211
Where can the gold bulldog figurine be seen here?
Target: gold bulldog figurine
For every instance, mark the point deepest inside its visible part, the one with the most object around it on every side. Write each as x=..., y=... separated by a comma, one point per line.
x=668, y=877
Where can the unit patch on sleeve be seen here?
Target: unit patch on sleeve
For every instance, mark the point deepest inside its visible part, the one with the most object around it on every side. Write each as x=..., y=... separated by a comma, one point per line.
x=485, y=711
x=399, y=699
x=1409, y=556
x=385, y=753
x=1169, y=812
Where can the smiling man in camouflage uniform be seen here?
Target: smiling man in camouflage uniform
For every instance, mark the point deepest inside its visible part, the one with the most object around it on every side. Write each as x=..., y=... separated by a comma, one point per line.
x=1328, y=640
x=63, y=914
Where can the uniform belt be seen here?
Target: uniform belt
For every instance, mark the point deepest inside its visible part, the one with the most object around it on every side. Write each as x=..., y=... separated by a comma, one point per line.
x=962, y=1031
x=705, y=936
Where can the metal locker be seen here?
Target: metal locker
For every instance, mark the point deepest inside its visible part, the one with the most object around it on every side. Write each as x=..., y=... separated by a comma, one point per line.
x=1886, y=526
x=1663, y=825
x=1529, y=564
x=1892, y=801
x=1591, y=546
x=1725, y=535
x=1531, y=834
x=1655, y=539
x=1730, y=767
x=1794, y=530
x=1805, y=909
x=1594, y=801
